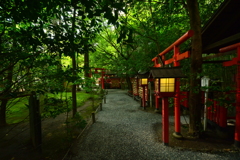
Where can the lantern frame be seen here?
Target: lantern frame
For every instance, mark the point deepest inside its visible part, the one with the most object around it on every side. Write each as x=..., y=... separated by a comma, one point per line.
x=143, y=81
x=170, y=88
x=166, y=74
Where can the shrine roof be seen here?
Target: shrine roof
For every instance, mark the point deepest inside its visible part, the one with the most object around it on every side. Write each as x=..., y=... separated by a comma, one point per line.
x=223, y=28
x=174, y=72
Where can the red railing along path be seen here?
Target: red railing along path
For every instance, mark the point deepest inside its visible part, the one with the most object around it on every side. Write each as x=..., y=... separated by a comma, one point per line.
x=235, y=61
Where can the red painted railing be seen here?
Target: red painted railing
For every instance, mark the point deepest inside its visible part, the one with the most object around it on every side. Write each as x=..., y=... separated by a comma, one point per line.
x=235, y=61
x=175, y=46
x=215, y=113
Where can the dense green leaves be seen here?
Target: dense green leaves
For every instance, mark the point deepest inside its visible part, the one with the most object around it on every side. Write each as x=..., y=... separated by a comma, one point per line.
x=35, y=35
x=122, y=35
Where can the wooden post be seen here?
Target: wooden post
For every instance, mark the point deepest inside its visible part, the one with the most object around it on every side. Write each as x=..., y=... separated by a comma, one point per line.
x=35, y=121
x=104, y=99
x=150, y=94
x=93, y=117
x=157, y=104
x=165, y=121
x=141, y=104
x=237, y=126
x=143, y=98
x=100, y=106
x=102, y=81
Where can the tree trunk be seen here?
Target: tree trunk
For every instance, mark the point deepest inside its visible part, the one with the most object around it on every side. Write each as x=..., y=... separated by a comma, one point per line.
x=196, y=68
x=74, y=64
x=74, y=87
x=7, y=89
x=3, y=112
x=6, y=92
x=87, y=71
x=86, y=65
x=129, y=83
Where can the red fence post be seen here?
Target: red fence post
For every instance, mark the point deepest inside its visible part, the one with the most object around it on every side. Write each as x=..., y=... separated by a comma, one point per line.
x=177, y=119
x=218, y=113
x=237, y=129
x=223, y=117
x=156, y=103
x=165, y=121
x=215, y=111
x=143, y=97
x=208, y=113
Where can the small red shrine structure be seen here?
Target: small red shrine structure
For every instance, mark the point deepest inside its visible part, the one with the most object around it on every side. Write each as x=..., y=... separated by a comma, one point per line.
x=102, y=72
x=111, y=80
x=142, y=84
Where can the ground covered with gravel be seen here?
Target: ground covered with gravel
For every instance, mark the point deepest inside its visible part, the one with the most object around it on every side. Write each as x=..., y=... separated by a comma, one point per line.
x=124, y=132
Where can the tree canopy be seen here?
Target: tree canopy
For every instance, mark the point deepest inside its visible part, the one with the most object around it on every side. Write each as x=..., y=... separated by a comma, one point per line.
x=120, y=35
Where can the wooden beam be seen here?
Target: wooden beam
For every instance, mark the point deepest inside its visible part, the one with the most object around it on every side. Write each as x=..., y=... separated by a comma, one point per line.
x=218, y=55
x=215, y=61
x=222, y=42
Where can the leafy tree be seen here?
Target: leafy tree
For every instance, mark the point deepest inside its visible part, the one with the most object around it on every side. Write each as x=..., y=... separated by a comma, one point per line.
x=151, y=26
x=35, y=35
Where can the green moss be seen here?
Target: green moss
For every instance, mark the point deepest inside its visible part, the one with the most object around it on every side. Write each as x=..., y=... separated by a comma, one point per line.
x=17, y=110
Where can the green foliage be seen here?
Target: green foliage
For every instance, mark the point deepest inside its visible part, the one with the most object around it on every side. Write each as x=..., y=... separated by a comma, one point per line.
x=207, y=8
x=17, y=110
x=171, y=102
x=53, y=107
x=35, y=35
x=90, y=85
x=77, y=121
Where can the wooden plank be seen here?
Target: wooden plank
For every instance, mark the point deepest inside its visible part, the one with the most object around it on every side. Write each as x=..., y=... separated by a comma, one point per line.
x=160, y=61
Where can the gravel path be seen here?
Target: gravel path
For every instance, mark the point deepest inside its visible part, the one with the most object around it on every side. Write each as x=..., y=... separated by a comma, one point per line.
x=124, y=132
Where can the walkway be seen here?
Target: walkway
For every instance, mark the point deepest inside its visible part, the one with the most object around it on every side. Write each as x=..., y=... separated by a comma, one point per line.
x=124, y=132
